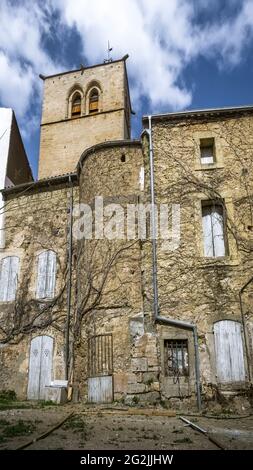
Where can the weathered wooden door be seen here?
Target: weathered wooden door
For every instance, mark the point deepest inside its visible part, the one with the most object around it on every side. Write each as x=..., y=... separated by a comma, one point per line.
x=40, y=366
x=100, y=369
x=229, y=351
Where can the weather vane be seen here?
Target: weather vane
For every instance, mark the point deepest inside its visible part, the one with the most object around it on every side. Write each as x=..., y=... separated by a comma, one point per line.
x=109, y=49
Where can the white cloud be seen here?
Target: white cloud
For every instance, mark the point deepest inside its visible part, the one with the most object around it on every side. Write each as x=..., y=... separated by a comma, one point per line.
x=153, y=33
x=228, y=39
x=161, y=36
x=22, y=57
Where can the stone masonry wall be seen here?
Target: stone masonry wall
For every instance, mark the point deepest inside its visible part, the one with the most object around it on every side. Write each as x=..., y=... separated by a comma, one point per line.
x=36, y=220
x=191, y=287
x=114, y=173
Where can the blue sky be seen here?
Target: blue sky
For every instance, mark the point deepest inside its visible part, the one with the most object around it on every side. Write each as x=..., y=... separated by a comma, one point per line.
x=183, y=54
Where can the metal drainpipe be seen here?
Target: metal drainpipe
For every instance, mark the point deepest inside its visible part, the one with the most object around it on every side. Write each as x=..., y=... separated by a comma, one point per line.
x=69, y=280
x=244, y=326
x=158, y=318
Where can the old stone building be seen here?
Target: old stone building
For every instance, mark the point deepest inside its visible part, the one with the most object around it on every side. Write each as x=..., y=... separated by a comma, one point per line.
x=94, y=289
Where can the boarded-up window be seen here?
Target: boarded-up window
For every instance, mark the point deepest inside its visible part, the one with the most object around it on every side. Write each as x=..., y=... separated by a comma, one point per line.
x=176, y=357
x=46, y=275
x=213, y=229
x=93, y=101
x=207, y=151
x=76, y=105
x=229, y=351
x=8, y=278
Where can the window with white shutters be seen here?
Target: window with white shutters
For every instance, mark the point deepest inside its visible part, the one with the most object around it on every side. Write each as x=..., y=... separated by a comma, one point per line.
x=229, y=351
x=8, y=278
x=213, y=229
x=46, y=275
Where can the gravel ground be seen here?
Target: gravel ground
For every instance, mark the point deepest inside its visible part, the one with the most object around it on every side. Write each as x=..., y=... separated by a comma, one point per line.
x=101, y=429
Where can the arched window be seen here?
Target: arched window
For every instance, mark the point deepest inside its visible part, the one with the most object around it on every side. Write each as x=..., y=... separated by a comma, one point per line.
x=76, y=105
x=8, y=278
x=229, y=351
x=46, y=275
x=93, y=101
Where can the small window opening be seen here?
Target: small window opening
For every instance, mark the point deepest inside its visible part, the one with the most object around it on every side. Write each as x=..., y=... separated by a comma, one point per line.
x=93, y=101
x=207, y=151
x=123, y=158
x=176, y=361
x=76, y=105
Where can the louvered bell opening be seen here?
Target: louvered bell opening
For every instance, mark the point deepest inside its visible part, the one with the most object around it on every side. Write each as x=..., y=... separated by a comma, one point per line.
x=93, y=105
x=76, y=107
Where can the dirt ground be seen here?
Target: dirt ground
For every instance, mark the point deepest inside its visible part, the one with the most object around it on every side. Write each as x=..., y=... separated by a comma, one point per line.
x=90, y=428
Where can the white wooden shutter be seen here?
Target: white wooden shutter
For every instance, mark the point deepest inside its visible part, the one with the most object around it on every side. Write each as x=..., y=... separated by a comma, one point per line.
x=46, y=364
x=8, y=278
x=229, y=351
x=213, y=230
x=46, y=275
x=40, y=366
x=207, y=231
x=4, y=279
x=218, y=231
x=13, y=277
x=51, y=271
x=42, y=275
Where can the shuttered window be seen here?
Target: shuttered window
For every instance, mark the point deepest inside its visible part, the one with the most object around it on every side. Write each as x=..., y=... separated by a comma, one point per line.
x=46, y=275
x=213, y=230
x=76, y=105
x=93, y=101
x=229, y=351
x=8, y=278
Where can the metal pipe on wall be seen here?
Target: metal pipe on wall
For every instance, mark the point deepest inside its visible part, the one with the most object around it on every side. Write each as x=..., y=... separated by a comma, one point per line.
x=69, y=288
x=159, y=319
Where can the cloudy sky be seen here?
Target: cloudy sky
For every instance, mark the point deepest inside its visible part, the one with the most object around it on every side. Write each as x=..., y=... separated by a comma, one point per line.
x=183, y=53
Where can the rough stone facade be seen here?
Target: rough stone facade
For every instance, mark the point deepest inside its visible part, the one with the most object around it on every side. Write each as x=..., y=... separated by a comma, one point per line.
x=64, y=138
x=37, y=219
x=194, y=288
x=120, y=309
x=113, y=332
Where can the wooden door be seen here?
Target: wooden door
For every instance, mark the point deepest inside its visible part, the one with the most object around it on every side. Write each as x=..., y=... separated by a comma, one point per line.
x=40, y=366
x=100, y=369
x=229, y=351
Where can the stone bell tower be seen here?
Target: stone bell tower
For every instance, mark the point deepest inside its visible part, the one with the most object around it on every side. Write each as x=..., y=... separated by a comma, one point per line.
x=80, y=109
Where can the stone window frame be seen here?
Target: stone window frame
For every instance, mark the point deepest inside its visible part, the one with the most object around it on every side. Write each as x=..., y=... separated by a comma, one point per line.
x=94, y=84
x=218, y=161
x=177, y=335
x=232, y=256
x=75, y=89
x=181, y=373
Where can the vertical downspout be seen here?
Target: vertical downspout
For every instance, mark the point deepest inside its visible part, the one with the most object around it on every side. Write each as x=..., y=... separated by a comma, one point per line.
x=244, y=326
x=69, y=280
x=153, y=219
x=158, y=318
